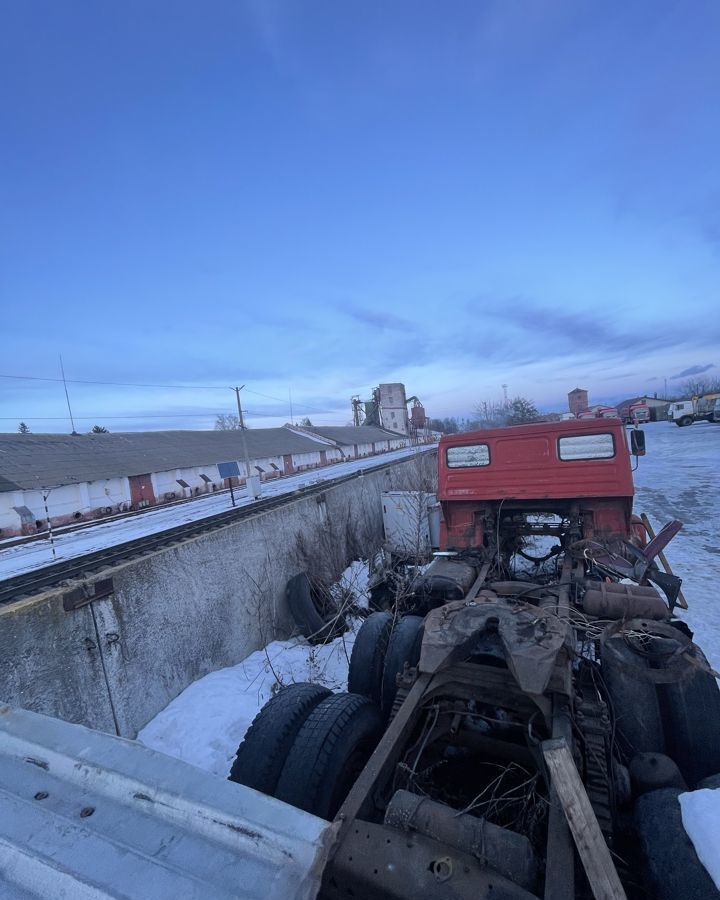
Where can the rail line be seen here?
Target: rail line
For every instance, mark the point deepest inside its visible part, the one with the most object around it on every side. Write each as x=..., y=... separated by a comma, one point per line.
x=28, y=584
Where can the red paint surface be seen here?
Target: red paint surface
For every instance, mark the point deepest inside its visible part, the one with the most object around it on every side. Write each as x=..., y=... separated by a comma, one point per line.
x=526, y=472
x=141, y=490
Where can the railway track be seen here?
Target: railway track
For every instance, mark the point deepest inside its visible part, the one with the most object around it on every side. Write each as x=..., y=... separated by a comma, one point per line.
x=28, y=584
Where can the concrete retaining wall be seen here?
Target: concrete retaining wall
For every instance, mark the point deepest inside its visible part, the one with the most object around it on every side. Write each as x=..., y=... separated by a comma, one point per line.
x=181, y=612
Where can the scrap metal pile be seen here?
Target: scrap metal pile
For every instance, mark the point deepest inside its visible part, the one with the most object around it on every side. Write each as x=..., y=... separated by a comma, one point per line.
x=522, y=723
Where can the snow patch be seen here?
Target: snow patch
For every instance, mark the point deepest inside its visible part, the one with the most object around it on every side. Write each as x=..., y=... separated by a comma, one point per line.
x=701, y=820
x=205, y=724
x=678, y=480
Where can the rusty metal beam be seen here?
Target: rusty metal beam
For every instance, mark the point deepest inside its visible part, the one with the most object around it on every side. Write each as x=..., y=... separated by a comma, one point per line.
x=383, y=759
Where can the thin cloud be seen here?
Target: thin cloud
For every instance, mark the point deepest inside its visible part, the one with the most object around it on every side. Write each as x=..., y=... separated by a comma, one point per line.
x=585, y=334
x=693, y=370
x=382, y=320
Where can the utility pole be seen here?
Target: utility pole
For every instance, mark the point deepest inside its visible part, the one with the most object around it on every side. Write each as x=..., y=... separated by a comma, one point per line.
x=67, y=396
x=242, y=430
x=292, y=421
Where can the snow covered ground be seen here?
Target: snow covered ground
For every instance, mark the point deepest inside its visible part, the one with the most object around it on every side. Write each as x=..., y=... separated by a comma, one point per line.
x=36, y=554
x=701, y=820
x=679, y=478
x=207, y=722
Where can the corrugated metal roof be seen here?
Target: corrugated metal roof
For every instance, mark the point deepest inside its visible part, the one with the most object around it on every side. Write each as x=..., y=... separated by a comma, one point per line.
x=85, y=814
x=7, y=485
x=351, y=434
x=29, y=461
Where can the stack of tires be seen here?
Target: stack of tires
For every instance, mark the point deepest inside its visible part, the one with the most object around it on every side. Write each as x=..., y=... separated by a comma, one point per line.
x=666, y=708
x=307, y=746
x=383, y=646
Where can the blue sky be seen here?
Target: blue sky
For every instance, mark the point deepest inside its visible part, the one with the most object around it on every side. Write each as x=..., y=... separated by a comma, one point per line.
x=317, y=196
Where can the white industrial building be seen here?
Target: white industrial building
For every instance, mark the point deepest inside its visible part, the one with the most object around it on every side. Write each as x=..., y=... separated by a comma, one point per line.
x=393, y=408
x=64, y=478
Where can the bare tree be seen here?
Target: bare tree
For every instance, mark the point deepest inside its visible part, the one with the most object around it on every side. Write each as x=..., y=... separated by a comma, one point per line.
x=306, y=423
x=227, y=422
x=491, y=414
x=99, y=429
x=696, y=387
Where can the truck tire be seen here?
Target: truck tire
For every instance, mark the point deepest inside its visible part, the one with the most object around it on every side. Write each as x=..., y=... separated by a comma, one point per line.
x=261, y=756
x=634, y=699
x=685, y=421
x=329, y=753
x=318, y=621
x=692, y=724
x=671, y=864
x=367, y=659
x=403, y=647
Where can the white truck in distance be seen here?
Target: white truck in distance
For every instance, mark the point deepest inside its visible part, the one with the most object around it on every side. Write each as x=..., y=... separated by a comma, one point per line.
x=699, y=409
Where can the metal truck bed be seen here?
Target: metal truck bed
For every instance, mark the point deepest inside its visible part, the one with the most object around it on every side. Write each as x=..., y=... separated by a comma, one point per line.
x=86, y=815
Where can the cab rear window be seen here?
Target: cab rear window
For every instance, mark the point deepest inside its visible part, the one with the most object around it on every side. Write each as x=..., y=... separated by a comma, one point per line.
x=468, y=457
x=586, y=446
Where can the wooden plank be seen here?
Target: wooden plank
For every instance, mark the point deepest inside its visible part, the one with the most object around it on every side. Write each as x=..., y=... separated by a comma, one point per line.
x=383, y=759
x=559, y=856
x=477, y=585
x=681, y=601
x=594, y=853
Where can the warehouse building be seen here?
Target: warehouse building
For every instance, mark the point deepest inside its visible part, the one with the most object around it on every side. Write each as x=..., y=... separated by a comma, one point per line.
x=65, y=478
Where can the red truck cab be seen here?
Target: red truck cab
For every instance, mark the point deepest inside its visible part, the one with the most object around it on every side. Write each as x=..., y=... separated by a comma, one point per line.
x=539, y=468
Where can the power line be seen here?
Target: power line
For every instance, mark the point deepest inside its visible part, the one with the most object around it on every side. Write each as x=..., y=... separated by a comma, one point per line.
x=102, y=417
x=280, y=400
x=182, y=387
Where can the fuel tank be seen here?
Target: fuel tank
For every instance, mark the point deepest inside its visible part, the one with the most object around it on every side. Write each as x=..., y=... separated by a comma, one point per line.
x=446, y=578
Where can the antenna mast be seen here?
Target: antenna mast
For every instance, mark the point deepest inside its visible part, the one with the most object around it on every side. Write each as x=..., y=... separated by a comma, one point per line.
x=67, y=396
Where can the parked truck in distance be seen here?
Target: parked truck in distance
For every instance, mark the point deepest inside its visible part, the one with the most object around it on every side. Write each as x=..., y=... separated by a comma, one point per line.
x=697, y=409
x=638, y=414
x=599, y=412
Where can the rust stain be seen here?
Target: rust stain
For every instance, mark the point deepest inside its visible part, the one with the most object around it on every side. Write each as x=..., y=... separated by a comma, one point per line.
x=240, y=829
